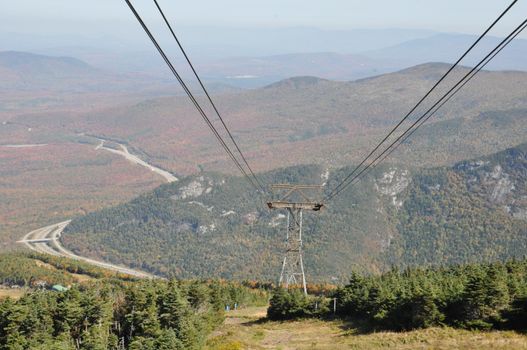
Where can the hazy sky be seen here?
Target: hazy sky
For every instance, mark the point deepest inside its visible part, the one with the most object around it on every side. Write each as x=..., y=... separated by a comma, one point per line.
x=467, y=16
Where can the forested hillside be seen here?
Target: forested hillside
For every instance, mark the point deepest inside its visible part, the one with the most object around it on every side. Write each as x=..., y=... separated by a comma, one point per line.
x=475, y=209
x=315, y=121
x=215, y=225
x=301, y=120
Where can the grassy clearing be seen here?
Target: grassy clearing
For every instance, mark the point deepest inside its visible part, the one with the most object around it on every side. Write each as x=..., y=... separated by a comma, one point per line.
x=78, y=277
x=12, y=293
x=245, y=329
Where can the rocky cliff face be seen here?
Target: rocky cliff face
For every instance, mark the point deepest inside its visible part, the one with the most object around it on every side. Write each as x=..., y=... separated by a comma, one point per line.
x=501, y=179
x=475, y=210
x=392, y=183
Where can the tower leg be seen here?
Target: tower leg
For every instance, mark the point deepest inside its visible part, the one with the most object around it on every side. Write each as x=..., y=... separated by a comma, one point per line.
x=293, y=266
x=283, y=271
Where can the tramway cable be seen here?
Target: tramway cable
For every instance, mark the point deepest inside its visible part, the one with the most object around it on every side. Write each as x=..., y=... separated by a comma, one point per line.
x=295, y=197
x=421, y=120
x=207, y=93
x=331, y=195
x=191, y=96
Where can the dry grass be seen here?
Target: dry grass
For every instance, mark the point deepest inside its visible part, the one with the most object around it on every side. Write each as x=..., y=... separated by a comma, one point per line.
x=244, y=329
x=12, y=293
x=78, y=277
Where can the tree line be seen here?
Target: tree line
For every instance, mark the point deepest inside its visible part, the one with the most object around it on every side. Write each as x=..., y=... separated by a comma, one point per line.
x=473, y=296
x=33, y=269
x=115, y=314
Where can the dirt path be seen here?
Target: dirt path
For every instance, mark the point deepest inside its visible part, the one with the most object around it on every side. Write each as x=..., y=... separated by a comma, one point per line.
x=247, y=329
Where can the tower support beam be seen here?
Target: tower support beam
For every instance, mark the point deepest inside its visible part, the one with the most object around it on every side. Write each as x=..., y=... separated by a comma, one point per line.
x=293, y=265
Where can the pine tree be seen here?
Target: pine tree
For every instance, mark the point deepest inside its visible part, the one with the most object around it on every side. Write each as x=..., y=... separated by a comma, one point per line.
x=168, y=340
x=69, y=313
x=419, y=311
x=142, y=315
x=277, y=305
x=497, y=291
x=177, y=315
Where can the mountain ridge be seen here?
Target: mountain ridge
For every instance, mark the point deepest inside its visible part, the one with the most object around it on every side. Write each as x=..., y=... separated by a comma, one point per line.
x=24, y=72
x=28, y=67
x=398, y=216
x=447, y=47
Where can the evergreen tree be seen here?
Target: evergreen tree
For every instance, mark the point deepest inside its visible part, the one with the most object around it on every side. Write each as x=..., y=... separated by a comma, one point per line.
x=168, y=340
x=419, y=311
x=176, y=314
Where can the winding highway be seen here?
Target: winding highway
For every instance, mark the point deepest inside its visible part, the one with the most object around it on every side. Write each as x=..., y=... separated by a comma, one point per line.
x=46, y=240
x=123, y=152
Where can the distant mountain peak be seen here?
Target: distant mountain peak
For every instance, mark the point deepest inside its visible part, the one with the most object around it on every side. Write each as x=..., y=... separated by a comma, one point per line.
x=27, y=71
x=16, y=59
x=426, y=67
x=297, y=82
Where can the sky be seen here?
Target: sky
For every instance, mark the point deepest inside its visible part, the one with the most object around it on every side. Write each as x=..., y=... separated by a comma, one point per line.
x=464, y=16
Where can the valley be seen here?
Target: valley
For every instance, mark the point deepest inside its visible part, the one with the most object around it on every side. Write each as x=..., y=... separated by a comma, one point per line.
x=255, y=201
x=343, y=119
x=44, y=185
x=46, y=240
x=137, y=144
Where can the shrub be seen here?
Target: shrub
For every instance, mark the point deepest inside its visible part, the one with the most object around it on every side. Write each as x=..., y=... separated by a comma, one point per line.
x=291, y=304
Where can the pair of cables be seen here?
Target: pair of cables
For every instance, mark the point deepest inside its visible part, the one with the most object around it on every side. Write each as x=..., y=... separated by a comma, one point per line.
x=361, y=170
x=246, y=170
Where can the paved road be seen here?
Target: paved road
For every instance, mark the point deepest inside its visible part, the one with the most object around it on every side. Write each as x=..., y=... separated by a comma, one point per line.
x=25, y=146
x=53, y=247
x=136, y=160
x=52, y=233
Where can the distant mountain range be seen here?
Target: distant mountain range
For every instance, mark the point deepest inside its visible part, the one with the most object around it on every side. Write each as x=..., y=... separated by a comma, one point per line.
x=22, y=71
x=335, y=55
x=259, y=71
x=27, y=64
x=448, y=48
x=438, y=48
x=361, y=54
x=25, y=70
x=207, y=41
x=212, y=225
